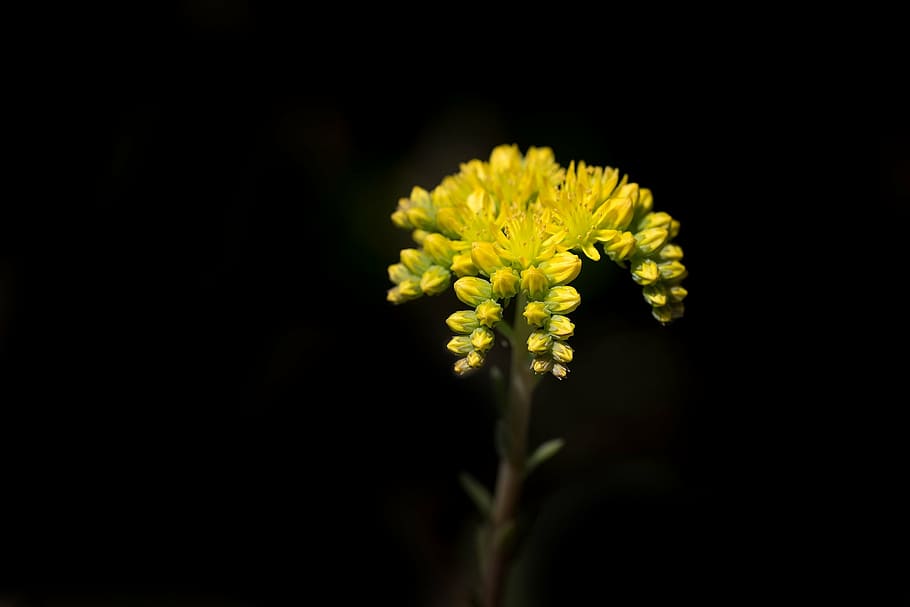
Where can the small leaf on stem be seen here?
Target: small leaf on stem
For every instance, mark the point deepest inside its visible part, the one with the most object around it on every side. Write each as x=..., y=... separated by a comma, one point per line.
x=544, y=452
x=478, y=494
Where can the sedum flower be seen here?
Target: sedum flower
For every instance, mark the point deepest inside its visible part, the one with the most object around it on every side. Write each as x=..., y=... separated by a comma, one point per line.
x=517, y=227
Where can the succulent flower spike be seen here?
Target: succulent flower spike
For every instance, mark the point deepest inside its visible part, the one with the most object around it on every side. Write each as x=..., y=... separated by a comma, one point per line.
x=517, y=227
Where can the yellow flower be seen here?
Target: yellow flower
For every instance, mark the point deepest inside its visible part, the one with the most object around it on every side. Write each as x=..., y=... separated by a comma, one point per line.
x=508, y=229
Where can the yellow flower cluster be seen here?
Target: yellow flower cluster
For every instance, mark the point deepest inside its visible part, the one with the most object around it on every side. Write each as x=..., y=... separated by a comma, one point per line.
x=507, y=228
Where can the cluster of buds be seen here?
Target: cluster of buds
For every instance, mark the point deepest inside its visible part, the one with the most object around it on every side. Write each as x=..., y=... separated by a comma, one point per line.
x=509, y=229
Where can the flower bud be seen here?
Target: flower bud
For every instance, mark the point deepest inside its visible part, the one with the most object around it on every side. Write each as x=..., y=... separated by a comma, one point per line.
x=460, y=344
x=462, y=265
x=559, y=371
x=439, y=248
x=672, y=271
x=536, y=313
x=399, y=273
x=655, y=294
x=615, y=213
x=620, y=246
x=645, y=272
x=648, y=241
x=462, y=366
x=472, y=290
x=562, y=352
x=670, y=252
x=474, y=359
x=562, y=268
x=482, y=339
x=562, y=300
x=419, y=236
x=560, y=327
x=677, y=293
x=645, y=202
x=435, y=280
x=489, y=313
x=484, y=256
x=400, y=219
x=415, y=261
x=662, y=314
x=541, y=365
x=534, y=282
x=539, y=342
x=463, y=321
x=655, y=220
x=506, y=283
x=421, y=218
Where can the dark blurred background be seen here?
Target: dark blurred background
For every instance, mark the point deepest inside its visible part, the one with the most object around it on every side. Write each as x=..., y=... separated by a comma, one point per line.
x=208, y=401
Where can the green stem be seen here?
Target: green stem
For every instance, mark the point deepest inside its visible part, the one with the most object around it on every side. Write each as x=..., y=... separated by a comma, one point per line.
x=511, y=466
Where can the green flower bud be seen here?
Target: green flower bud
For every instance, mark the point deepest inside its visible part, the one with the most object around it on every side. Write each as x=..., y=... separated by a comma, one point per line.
x=398, y=273
x=472, y=290
x=415, y=261
x=400, y=219
x=489, y=313
x=562, y=268
x=655, y=220
x=474, y=359
x=462, y=265
x=677, y=293
x=484, y=256
x=620, y=246
x=482, y=339
x=560, y=327
x=562, y=352
x=539, y=342
x=655, y=294
x=648, y=241
x=536, y=313
x=534, y=282
x=541, y=365
x=506, y=283
x=435, y=280
x=410, y=289
x=439, y=248
x=460, y=344
x=671, y=252
x=645, y=272
x=672, y=271
x=420, y=217
x=463, y=321
x=562, y=300
x=420, y=236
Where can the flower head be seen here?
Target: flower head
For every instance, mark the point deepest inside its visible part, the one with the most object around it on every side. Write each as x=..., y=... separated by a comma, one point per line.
x=515, y=227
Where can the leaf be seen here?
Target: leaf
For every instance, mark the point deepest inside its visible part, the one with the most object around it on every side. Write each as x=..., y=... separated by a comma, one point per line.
x=478, y=494
x=544, y=452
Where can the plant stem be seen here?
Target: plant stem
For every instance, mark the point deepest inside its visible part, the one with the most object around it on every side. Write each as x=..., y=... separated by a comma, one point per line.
x=509, y=479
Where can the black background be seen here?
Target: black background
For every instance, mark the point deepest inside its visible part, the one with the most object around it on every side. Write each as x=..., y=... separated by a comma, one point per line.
x=207, y=399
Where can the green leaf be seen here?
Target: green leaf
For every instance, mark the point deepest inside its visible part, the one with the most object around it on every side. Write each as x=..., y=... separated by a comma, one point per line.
x=543, y=453
x=478, y=493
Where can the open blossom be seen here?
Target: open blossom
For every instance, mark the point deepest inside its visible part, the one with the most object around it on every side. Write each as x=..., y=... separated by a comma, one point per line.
x=515, y=227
